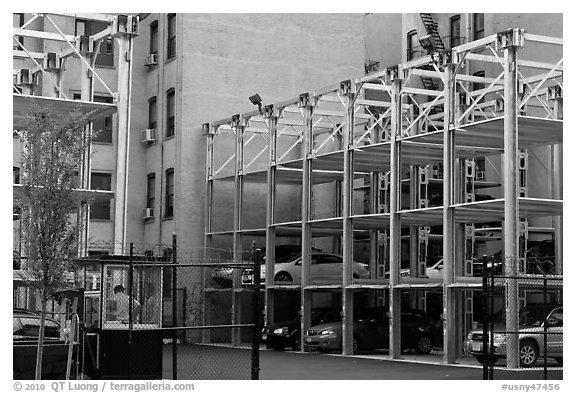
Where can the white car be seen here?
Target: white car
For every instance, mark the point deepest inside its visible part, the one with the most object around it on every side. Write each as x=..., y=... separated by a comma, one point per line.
x=435, y=272
x=324, y=269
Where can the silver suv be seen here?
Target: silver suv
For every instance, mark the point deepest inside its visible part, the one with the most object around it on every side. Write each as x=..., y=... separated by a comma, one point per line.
x=530, y=336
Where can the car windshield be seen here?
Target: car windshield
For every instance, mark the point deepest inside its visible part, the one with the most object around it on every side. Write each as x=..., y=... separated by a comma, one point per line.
x=284, y=259
x=529, y=316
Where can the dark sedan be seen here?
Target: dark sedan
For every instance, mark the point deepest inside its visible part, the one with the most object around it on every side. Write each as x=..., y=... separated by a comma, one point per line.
x=287, y=334
x=419, y=331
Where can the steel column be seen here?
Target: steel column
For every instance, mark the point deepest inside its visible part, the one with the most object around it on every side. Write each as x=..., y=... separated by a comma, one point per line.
x=238, y=125
x=448, y=232
x=511, y=193
x=307, y=107
x=210, y=135
x=395, y=235
x=123, y=114
x=557, y=190
x=347, y=93
x=86, y=94
x=272, y=118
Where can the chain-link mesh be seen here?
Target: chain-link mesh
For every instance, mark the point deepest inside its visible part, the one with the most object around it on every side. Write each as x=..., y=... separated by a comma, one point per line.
x=522, y=335
x=182, y=314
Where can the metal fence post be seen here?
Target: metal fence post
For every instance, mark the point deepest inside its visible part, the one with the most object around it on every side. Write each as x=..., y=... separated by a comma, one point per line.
x=256, y=316
x=130, y=307
x=485, y=318
x=174, y=310
x=545, y=328
x=491, y=324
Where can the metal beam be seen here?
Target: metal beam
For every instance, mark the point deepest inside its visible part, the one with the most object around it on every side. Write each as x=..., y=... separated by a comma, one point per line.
x=307, y=149
x=123, y=117
x=270, y=218
x=43, y=35
x=395, y=224
x=475, y=44
x=511, y=208
x=543, y=39
x=347, y=212
x=20, y=54
x=448, y=229
x=237, y=235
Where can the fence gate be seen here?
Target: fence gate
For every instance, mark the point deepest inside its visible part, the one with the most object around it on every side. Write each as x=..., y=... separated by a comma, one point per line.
x=527, y=344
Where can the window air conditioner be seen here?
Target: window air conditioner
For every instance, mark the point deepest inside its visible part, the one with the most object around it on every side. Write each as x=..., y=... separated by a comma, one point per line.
x=148, y=212
x=152, y=59
x=149, y=135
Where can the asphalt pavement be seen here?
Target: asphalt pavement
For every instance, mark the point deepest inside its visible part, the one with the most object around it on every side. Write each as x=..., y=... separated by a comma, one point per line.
x=316, y=366
x=223, y=362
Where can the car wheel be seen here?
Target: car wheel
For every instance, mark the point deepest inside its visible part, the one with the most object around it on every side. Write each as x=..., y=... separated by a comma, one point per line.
x=528, y=353
x=355, y=344
x=277, y=347
x=559, y=360
x=283, y=277
x=490, y=359
x=424, y=344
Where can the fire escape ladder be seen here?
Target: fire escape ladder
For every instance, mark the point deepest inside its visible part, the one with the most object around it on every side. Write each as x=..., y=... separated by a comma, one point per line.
x=432, y=29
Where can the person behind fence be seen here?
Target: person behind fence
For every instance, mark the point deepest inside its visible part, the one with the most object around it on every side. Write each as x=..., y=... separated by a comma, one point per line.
x=151, y=310
x=122, y=302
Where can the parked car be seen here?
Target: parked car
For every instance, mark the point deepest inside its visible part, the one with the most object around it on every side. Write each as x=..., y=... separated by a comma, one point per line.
x=435, y=272
x=531, y=335
x=285, y=252
x=26, y=326
x=287, y=334
x=324, y=269
x=418, y=330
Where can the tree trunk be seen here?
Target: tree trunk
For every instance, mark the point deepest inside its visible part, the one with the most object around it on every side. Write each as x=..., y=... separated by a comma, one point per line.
x=40, y=351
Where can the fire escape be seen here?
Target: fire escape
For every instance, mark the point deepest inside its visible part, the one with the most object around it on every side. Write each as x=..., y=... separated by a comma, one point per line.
x=436, y=45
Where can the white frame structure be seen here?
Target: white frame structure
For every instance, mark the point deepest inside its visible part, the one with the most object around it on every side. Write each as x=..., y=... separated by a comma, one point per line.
x=380, y=126
x=59, y=47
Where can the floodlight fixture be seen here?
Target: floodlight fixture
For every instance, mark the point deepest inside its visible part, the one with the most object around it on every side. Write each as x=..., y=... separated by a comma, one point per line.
x=256, y=100
x=427, y=43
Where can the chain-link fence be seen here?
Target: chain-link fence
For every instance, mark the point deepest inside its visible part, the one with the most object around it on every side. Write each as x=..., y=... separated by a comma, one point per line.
x=170, y=316
x=522, y=327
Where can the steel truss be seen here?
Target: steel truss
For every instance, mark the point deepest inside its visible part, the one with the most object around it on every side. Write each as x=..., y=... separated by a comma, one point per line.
x=39, y=78
x=366, y=134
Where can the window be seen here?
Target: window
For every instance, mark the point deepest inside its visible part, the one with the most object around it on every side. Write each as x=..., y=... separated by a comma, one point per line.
x=154, y=37
x=169, y=208
x=151, y=190
x=170, y=112
x=412, y=43
x=100, y=210
x=102, y=127
x=455, y=31
x=152, y=112
x=16, y=175
x=106, y=55
x=18, y=21
x=171, y=49
x=479, y=85
x=478, y=26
